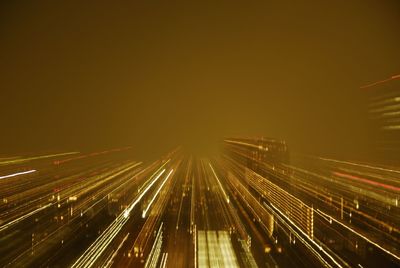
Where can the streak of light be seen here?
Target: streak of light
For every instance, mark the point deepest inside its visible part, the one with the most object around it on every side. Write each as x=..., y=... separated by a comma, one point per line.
x=155, y=195
x=164, y=259
x=185, y=183
x=9, y=224
x=192, y=206
x=155, y=251
x=305, y=242
x=57, y=162
x=143, y=240
x=111, y=259
x=395, y=127
x=356, y=178
x=9, y=158
x=109, y=178
x=145, y=184
x=129, y=209
x=219, y=183
x=90, y=256
x=244, y=143
x=179, y=212
x=23, y=160
x=100, y=244
x=195, y=245
x=360, y=165
x=393, y=77
x=17, y=174
x=299, y=212
x=52, y=233
x=357, y=233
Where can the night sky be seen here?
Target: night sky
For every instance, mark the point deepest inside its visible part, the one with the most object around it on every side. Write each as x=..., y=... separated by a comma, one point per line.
x=89, y=75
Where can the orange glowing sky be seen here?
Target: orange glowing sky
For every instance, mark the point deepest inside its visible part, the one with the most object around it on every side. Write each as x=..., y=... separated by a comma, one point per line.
x=99, y=74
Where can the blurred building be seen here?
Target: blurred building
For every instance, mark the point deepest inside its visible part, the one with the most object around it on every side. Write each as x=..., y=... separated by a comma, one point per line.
x=384, y=116
x=253, y=152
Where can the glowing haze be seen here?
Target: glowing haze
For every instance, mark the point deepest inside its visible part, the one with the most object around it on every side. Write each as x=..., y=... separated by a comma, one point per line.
x=79, y=75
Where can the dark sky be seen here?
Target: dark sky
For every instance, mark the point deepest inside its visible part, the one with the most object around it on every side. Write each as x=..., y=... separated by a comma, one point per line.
x=80, y=75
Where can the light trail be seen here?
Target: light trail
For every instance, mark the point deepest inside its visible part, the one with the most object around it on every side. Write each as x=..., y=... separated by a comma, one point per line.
x=111, y=259
x=9, y=224
x=263, y=205
x=23, y=160
x=145, y=184
x=219, y=183
x=195, y=246
x=90, y=256
x=393, y=77
x=155, y=251
x=244, y=144
x=305, y=237
x=185, y=183
x=58, y=162
x=115, y=189
x=17, y=174
x=164, y=259
x=370, y=182
x=360, y=165
x=359, y=234
x=192, y=206
x=129, y=209
x=299, y=212
x=305, y=242
x=155, y=195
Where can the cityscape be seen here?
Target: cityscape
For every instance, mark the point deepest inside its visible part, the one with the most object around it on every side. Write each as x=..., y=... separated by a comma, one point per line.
x=255, y=205
x=185, y=134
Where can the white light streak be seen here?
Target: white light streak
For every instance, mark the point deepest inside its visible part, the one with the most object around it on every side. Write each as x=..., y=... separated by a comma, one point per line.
x=155, y=251
x=111, y=260
x=155, y=195
x=220, y=185
x=128, y=210
x=305, y=242
x=90, y=256
x=164, y=260
x=17, y=174
x=357, y=233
